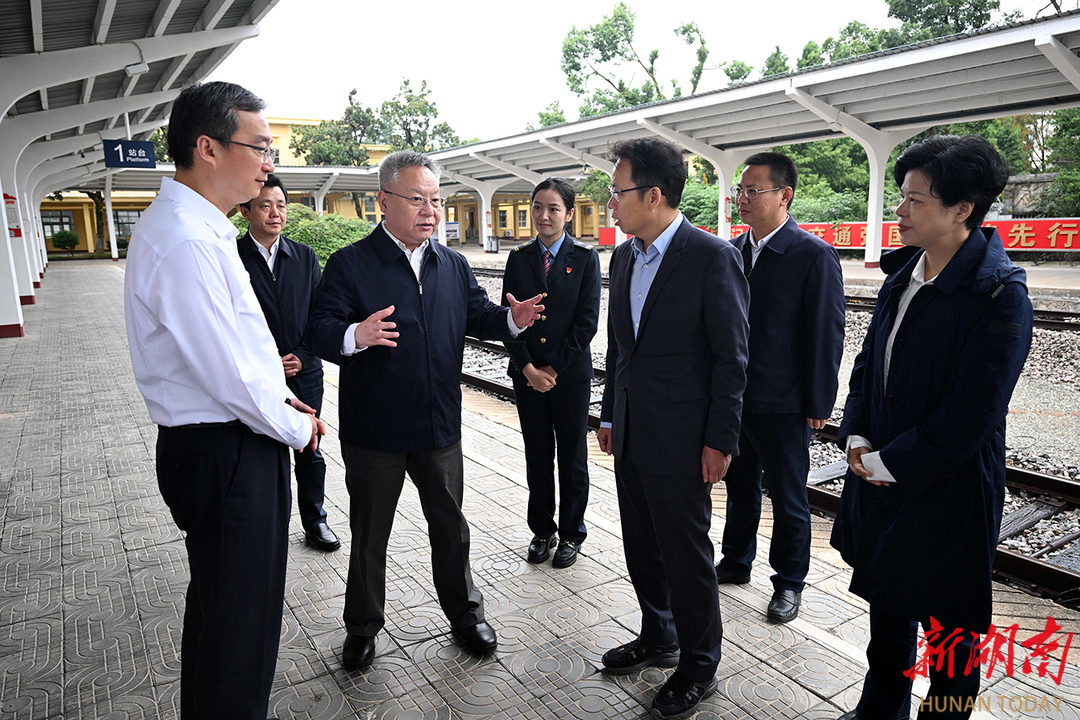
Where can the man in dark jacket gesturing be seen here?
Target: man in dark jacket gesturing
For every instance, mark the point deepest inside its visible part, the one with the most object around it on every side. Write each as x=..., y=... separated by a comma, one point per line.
x=393, y=310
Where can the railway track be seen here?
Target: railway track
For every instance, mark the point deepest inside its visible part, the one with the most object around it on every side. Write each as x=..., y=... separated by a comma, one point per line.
x=485, y=369
x=1047, y=319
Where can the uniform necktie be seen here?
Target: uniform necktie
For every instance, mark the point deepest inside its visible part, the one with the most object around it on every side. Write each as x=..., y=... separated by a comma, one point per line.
x=547, y=263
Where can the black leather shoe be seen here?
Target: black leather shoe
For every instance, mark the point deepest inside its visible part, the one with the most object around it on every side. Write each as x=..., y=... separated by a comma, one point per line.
x=322, y=537
x=730, y=577
x=480, y=638
x=680, y=696
x=784, y=606
x=540, y=548
x=358, y=652
x=566, y=555
x=635, y=655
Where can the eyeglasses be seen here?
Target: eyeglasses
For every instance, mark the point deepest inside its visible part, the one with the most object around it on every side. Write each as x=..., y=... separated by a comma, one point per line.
x=750, y=193
x=418, y=202
x=265, y=152
x=616, y=193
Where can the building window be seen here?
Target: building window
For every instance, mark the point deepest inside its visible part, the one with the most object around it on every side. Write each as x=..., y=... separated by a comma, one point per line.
x=502, y=218
x=275, y=157
x=523, y=218
x=372, y=219
x=125, y=221
x=56, y=220
x=369, y=204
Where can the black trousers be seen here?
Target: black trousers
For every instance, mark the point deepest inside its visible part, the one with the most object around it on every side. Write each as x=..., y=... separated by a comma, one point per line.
x=779, y=445
x=310, y=467
x=374, y=479
x=228, y=489
x=886, y=693
x=665, y=525
x=556, y=421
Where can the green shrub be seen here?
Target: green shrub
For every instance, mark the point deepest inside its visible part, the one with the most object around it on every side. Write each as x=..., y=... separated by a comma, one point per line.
x=325, y=234
x=65, y=240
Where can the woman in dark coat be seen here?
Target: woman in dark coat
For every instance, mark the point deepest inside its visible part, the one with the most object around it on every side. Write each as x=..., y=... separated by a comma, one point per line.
x=924, y=425
x=552, y=371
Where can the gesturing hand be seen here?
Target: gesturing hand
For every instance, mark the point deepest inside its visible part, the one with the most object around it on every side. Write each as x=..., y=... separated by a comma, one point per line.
x=376, y=331
x=525, y=312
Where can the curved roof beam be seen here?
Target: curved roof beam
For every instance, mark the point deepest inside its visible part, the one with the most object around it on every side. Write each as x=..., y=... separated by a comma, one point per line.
x=1061, y=57
x=593, y=161
x=523, y=173
x=25, y=74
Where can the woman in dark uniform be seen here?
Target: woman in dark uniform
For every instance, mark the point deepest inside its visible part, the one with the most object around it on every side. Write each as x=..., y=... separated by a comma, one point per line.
x=552, y=370
x=924, y=428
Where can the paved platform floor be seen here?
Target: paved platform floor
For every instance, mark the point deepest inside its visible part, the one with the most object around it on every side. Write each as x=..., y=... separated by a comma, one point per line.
x=93, y=572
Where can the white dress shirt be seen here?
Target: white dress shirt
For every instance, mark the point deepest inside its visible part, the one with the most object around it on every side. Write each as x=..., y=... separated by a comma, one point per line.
x=872, y=460
x=270, y=256
x=756, y=246
x=416, y=262
x=200, y=347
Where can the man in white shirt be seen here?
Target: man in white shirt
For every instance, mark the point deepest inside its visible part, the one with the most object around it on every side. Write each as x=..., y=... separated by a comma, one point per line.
x=209, y=372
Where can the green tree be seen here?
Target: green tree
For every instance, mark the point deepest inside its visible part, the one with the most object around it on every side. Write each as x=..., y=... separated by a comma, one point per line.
x=1062, y=198
x=160, y=139
x=331, y=142
x=840, y=163
x=944, y=17
x=551, y=115
x=596, y=186
x=775, y=64
x=690, y=32
x=410, y=121
x=338, y=142
x=99, y=216
x=737, y=71
x=1004, y=134
x=811, y=56
x=700, y=204
x=596, y=55
x=64, y=240
x=857, y=38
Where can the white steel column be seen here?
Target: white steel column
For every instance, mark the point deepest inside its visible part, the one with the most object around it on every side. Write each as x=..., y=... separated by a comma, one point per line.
x=110, y=221
x=486, y=191
x=11, y=319
x=877, y=144
x=17, y=133
x=320, y=194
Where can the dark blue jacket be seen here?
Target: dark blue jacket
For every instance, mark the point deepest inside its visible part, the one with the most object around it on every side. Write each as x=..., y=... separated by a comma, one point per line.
x=796, y=324
x=286, y=295
x=678, y=386
x=406, y=397
x=560, y=338
x=925, y=546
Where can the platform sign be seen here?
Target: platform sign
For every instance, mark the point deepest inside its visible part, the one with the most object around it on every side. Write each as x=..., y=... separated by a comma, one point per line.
x=453, y=231
x=129, y=154
x=1041, y=234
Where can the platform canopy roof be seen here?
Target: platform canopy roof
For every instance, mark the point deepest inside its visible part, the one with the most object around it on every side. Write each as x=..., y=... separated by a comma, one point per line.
x=72, y=68
x=879, y=100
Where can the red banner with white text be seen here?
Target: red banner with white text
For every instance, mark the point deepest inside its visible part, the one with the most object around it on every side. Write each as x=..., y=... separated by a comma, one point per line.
x=1043, y=235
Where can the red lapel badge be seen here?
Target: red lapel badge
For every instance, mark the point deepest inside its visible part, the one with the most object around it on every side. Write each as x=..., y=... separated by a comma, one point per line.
x=567, y=270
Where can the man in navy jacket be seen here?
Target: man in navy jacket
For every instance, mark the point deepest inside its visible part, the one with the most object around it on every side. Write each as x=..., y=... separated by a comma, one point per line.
x=284, y=275
x=796, y=342
x=393, y=310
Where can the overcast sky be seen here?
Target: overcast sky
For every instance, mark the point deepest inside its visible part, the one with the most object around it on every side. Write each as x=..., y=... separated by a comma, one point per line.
x=492, y=65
